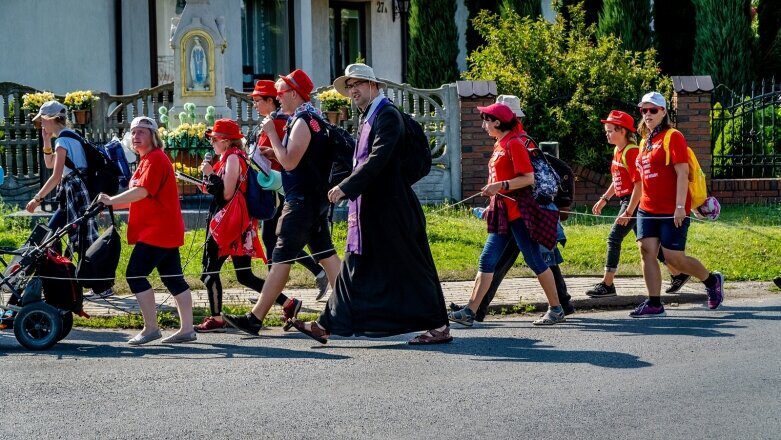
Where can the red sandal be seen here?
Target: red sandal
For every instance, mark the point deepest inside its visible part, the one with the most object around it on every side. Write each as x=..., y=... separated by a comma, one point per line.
x=315, y=331
x=432, y=337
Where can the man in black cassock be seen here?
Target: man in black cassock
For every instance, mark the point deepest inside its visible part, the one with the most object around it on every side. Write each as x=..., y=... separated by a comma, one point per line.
x=388, y=284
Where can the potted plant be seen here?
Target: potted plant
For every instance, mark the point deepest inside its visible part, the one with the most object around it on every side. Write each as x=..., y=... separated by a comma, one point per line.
x=80, y=103
x=32, y=102
x=334, y=105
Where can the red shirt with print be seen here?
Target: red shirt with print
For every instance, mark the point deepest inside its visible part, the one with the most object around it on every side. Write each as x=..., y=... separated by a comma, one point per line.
x=509, y=160
x=157, y=218
x=660, y=180
x=624, y=177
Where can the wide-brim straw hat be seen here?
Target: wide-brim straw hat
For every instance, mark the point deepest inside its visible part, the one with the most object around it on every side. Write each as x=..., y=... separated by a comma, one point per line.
x=357, y=71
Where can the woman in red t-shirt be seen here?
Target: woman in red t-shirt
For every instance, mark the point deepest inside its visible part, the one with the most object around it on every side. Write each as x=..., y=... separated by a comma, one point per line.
x=156, y=227
x=620, y=131
x=663, y=214
x=509, y=170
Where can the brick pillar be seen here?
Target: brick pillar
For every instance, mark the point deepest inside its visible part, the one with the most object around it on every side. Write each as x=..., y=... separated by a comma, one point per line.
x=476, y=146
x=692, y=104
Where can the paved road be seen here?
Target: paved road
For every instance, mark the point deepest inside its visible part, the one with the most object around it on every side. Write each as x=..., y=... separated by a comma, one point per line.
x=694, y=374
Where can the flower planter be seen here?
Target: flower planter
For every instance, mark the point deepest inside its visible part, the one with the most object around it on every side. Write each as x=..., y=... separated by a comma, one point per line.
x=344, y=114
x=82, y=116
x=333, y=116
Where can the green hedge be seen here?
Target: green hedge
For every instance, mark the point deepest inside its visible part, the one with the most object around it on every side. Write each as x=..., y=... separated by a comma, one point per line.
x=433, y=43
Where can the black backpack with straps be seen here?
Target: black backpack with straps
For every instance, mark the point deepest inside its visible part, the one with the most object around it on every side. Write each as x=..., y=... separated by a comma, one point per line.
x=101, y=259
x=102, y=174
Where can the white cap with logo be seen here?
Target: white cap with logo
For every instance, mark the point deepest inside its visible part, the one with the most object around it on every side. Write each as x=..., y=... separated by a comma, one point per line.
x=51, y=110
x=143, y=122
x=654, y=98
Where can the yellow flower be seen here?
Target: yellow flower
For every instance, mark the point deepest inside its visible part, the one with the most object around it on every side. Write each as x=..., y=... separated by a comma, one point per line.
x=33, y=101
x=80, y=99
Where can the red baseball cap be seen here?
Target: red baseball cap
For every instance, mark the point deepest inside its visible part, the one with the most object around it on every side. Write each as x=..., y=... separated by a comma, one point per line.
x=299, y=81
x=225, y=128
x=264, y=87
x=499, y=111
x=617, y=117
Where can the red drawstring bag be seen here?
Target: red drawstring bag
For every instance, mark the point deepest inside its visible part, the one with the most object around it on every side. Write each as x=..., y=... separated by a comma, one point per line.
x=230, y=222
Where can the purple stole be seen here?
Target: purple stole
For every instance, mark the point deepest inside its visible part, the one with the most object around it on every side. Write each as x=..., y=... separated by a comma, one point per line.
x=362, y=149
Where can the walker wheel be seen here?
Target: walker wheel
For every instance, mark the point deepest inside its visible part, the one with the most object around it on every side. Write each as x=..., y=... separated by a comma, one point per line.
x=38, y=326
x=67, y=325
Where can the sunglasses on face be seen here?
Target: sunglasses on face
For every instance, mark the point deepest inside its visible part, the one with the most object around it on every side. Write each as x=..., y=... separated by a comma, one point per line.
x=282, y=92
x=653, y=110
x=354, y=84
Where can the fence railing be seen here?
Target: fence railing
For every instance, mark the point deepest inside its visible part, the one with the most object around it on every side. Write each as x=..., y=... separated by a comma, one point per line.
x=746, y=131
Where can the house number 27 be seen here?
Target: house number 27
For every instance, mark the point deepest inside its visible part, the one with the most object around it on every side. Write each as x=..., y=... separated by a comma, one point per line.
x=381, y=8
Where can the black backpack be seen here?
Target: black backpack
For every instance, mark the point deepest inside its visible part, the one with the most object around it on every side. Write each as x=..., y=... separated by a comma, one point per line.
x=102, y=174
x=341, y=148
x=416, y=162
x=566, y=193
x=101, y=259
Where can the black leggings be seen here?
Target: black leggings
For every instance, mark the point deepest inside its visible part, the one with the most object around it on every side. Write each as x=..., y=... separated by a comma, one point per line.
x=269, y=237
x=244, y=275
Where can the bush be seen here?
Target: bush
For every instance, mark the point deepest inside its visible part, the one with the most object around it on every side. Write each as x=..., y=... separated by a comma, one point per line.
x=590, y=7
x=674, y=28
x=433, y=43
x=724, y=41
x=628, y=20
x=752, y=130
x=566, y=81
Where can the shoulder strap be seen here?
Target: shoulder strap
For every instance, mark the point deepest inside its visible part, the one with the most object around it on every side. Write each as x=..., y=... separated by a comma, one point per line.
x=666, y=144
x=626, y=150
x=68, y=162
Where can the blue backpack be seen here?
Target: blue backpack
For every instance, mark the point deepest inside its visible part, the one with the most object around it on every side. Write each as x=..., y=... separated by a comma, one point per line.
x=261, y=203
x=546, y=180
x=117, y=156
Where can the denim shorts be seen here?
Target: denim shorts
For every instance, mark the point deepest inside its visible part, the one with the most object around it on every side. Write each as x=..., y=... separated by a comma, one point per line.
x=496, y=244
x=657, y=226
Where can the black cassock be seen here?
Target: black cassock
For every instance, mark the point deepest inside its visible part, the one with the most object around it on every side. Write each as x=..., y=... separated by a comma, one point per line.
x=393, y=286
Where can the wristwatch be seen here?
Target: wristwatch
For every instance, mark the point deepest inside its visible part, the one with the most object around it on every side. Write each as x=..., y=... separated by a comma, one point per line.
x=679, y=207
x=38, y=199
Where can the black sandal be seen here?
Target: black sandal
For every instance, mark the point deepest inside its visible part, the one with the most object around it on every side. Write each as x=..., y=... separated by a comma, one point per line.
x=316, y=333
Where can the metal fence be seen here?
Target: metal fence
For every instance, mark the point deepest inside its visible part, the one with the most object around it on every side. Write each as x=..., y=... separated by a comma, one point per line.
x=746, y=131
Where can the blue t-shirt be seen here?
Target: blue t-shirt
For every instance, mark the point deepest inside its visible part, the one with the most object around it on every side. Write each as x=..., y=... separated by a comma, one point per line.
x=74, y=151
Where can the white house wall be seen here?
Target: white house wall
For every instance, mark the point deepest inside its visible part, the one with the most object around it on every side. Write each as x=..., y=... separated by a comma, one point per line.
x=58, y=45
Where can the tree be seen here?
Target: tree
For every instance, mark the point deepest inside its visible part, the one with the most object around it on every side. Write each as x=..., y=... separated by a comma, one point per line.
x=629, y=20
x=591, y=8
x=769, y=50
x=723, y=41
x=433, y=43
x=473, y=38
x=524, y=8
x=567, y=78
x=674, y=28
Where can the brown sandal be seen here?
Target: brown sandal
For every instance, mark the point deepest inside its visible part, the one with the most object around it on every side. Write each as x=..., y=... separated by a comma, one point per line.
x=315, y=332
x=436, y=337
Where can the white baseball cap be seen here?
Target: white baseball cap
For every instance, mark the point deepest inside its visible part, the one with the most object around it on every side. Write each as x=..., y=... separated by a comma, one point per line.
x=143, y=122
x=654, y=98
x=51, y=110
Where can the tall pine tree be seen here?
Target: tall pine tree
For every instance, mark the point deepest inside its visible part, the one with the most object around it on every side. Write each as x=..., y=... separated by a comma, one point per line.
x=674, y=28
x=524, y=8
x=433, y=43
x=473, y=38
x=723, y=41
x=628, y=19
x=769, y=50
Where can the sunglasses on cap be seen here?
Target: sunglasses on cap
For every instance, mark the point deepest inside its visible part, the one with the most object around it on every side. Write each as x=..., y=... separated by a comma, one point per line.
x=652, y=110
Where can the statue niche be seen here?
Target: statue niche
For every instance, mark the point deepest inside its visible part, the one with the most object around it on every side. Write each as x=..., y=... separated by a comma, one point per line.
x=197, y=65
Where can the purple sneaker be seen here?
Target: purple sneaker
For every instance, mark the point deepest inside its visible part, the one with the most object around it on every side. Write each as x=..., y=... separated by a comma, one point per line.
x=646, y=310
x=716, y=293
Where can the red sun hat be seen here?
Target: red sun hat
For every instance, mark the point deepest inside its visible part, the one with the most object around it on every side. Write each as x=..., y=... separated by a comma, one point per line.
x=617, y=117
x=264, y=87
x=225, y=128
x=299, y=81
x=499, y=111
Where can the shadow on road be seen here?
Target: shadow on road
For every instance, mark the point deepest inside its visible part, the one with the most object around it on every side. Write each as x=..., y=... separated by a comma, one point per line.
x=98, y=347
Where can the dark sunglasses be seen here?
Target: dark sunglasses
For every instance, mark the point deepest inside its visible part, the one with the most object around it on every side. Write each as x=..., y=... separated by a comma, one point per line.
x=653, y=110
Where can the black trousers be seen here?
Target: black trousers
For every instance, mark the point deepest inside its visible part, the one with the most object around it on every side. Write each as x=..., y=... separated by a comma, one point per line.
x=506, y=261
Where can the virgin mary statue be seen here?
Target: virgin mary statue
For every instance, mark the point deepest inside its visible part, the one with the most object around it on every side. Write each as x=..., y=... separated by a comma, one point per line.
x=198, y=66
